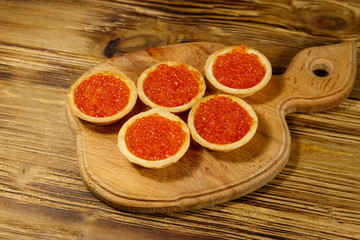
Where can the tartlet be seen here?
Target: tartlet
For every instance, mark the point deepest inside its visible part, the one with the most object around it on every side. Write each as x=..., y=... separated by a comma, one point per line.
x=222, y=122
x=238, y=70
x=154, y=139
x=102, y=97
x=172, y=85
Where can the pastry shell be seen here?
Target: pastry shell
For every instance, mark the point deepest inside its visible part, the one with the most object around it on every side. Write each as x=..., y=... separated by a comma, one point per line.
x=242, y=93
x=102, y=120
x=223, y=147
x=176, y=109
x=153, y=163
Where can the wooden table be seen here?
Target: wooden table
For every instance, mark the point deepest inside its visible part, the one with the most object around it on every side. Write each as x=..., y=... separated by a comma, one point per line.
x=46, y=45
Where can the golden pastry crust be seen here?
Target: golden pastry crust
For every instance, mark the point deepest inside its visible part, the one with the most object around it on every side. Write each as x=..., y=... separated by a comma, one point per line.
x=223, y=147
x=242, y=93
x=176, y=109
x=153, y=163
x=102, y=120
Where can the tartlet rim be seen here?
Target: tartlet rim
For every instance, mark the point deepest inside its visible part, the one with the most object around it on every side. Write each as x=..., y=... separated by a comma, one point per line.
x=223, y=147
x=103, y=120
x=177, y=109
x=242, y=93
x=154, y=164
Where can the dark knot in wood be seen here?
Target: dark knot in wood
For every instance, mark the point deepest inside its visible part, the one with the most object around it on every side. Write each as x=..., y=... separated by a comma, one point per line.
x=110, y=49
x=324, y=22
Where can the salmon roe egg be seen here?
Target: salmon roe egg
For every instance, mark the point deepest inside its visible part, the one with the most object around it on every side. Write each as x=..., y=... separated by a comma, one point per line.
x=101, y=95
x=154, y=137
x=221, y=120
x=238, y=69
x=171, y=85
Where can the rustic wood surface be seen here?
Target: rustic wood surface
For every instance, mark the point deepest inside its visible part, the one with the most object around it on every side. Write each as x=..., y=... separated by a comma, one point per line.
x=46, y=45
x=205, y=178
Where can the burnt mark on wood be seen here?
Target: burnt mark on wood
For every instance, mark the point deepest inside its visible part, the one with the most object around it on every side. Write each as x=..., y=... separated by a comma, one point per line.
x=110, y=49
x=133, y=43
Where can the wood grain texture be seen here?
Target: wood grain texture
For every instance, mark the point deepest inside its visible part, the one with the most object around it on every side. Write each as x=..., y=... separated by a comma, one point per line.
x=46, y=45
x=204, y=178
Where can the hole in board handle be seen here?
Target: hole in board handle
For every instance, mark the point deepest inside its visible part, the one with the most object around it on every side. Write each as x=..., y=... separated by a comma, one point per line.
x=321, y=67
x=320, y=72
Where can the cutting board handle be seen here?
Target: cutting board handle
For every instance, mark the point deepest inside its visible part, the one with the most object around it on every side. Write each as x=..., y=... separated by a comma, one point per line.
x=317, y=79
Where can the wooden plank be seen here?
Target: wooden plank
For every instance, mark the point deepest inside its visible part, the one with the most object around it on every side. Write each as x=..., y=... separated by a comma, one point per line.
x=56, y=184
x=40, y=174
x=45, y=46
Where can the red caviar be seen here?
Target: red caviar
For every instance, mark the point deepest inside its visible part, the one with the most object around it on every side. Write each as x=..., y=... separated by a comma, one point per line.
x=171, y=86
x=238, y=69
x=221, y=120
x=101, y=95
x=154, y=137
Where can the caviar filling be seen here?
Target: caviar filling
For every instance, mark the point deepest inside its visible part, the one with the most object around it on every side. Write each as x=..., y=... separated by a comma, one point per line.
x=171, y=86
x=221, y=120
x=101, y=95
x=154, y=137
x=238, y=69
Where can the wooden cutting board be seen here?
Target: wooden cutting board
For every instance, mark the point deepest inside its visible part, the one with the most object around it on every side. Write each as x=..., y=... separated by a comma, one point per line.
x=318, y=78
